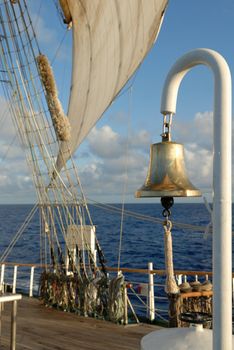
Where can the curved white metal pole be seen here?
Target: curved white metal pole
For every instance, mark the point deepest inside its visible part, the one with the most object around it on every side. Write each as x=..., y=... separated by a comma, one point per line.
x=222, y=210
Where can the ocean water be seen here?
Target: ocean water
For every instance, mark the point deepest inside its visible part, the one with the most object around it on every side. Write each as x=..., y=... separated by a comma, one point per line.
x=142, y=241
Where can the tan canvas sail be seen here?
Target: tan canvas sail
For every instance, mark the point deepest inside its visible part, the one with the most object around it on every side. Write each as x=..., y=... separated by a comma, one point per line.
x=110, y=40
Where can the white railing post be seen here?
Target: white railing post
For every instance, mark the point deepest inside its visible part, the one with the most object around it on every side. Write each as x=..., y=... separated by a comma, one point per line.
x=179, y=279
x=151, y=305
x=125, y=305
x=31, y=281
x=14, y=279
x=2, y=277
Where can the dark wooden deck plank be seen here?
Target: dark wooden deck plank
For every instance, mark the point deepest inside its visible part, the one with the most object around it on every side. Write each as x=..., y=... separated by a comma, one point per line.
x=40, y=328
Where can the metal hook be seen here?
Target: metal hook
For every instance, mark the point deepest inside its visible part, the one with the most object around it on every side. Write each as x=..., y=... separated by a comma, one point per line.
x=167, y=225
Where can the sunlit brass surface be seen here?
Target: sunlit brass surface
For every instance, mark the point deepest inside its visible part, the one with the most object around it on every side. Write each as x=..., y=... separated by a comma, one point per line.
x=166, y=174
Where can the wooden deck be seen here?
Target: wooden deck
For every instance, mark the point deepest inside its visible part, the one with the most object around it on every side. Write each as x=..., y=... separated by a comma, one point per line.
x=40, y=328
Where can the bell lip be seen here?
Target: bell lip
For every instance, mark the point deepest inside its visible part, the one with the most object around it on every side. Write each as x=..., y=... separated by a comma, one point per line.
x=143, y=193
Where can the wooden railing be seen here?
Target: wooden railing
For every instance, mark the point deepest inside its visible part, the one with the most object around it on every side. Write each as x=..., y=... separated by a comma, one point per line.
x=145, y=286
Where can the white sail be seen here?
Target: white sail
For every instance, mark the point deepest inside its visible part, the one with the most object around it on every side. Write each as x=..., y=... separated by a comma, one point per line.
x=110, y=40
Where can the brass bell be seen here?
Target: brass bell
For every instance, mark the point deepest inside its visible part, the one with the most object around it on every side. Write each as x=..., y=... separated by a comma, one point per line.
x=166, y=174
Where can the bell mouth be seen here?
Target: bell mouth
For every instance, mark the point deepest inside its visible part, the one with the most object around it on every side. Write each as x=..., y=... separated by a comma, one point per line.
x=148, y=192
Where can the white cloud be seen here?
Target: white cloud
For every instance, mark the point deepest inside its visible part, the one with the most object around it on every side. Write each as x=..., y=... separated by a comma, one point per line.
x=15, y=181
x=109, y=166
x=199, y=130
x=142, y=140
x=105, y=143
x=197, y=136
x=114, y=161
x=199, y=164
x=4, y=180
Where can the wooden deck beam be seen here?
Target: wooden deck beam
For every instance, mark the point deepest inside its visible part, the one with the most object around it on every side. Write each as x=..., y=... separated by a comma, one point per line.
x=41, y=328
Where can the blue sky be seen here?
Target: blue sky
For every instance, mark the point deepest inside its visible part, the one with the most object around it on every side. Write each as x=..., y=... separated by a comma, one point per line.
x=134, y=119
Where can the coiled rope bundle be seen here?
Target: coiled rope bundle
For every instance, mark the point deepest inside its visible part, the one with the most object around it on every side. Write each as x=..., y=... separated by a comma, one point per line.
x=60, y=121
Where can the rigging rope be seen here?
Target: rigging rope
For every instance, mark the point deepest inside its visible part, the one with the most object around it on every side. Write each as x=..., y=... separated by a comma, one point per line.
x=112, y=208
x=39, y=133
x=19, y=233
x=208, y=229
x=8, y=148
x=38, y=15
x=59, y=47
x=27, y=102
x=3, y=116
x=126, y=176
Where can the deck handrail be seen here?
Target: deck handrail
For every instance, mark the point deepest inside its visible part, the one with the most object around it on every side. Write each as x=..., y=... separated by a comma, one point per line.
x=123, y=269
x=144, y=293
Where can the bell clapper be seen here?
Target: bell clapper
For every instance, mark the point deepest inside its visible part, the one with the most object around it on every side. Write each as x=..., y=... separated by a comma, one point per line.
x=167, y=203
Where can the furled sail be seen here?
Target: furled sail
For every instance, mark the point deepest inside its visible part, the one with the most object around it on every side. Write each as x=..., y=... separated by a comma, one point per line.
x=110, y=40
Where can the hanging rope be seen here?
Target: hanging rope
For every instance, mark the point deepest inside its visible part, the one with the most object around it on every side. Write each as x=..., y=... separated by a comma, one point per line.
x=170, y=285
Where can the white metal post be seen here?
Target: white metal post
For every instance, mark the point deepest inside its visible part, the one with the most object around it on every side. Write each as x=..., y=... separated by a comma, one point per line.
x=14, y=279
x=31, y=281
x=125, y=305
x=151, y=293
x=222, y=218
x=13, y=299
x=179, y=279
x=2, y=277
x=13, y=325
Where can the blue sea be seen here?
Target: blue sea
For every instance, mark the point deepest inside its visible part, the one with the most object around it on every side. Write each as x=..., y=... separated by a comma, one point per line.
x=142, y=241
